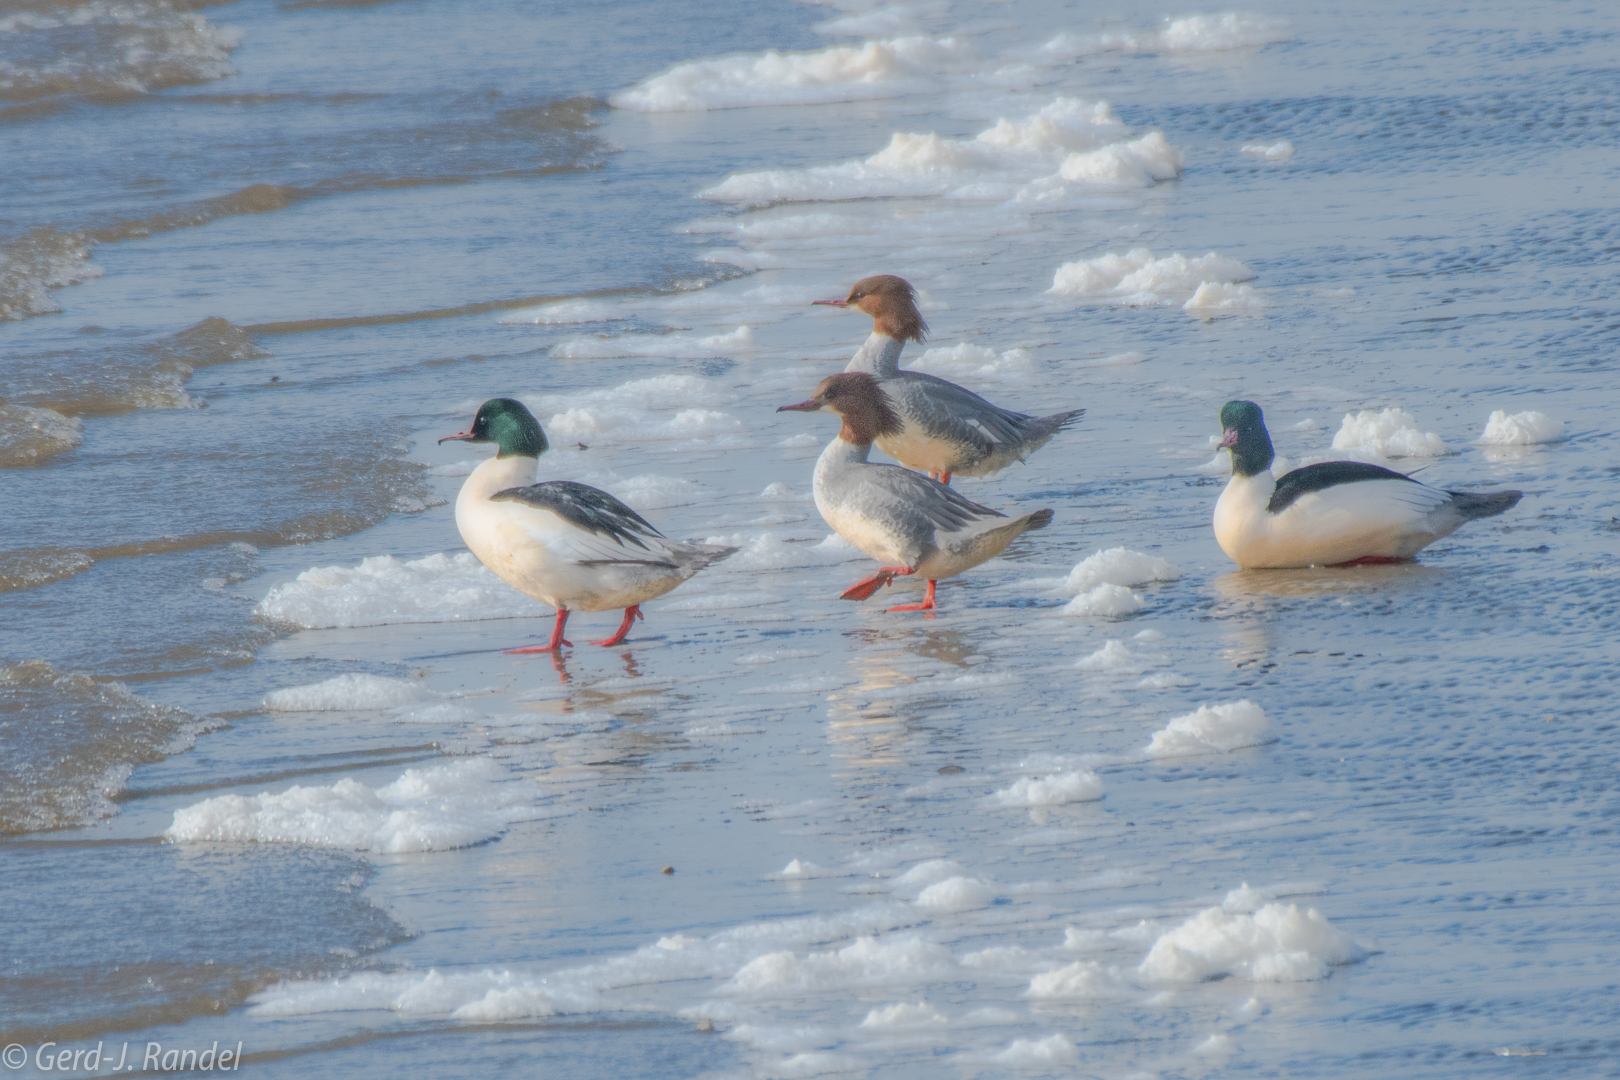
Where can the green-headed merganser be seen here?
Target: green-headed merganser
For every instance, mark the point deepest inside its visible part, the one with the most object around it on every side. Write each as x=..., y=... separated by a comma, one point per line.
x=1332, y=513
x=904, y=519
x=945, y=429
x=569, y=545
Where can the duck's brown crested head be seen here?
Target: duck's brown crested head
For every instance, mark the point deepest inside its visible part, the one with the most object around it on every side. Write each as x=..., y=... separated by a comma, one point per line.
x=892, y=303
x=856, y=396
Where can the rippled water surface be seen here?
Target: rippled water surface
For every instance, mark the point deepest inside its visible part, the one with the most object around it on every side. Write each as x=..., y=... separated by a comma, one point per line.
x=1117, y=808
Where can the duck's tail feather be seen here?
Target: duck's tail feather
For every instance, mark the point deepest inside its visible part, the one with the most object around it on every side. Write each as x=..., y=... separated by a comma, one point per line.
x=1474, y=504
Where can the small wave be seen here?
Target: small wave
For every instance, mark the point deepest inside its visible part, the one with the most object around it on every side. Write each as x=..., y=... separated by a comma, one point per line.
x=31, y=436
x=109, y=380
x=110, y=47
x=68, y=742
x=36, y=263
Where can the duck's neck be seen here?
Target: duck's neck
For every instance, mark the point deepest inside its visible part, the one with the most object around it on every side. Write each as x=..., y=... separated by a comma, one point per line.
x=500, y=473
x=841, y=451
x=879, y=355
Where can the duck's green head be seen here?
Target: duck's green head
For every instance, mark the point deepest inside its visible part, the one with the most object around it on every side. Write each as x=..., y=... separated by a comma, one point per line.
x=509, y=424
x=1243, y=429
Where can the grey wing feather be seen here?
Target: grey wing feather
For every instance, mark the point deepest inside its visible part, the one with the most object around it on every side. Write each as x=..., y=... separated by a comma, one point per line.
x=585, y=507
x=943, y=506
x=945, y=409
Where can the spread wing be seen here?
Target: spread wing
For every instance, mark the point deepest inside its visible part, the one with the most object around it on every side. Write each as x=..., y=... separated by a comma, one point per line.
x=593, y=511
x=1327, y=474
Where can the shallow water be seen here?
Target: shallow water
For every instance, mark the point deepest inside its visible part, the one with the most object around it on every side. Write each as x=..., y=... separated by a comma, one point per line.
x=254, y=687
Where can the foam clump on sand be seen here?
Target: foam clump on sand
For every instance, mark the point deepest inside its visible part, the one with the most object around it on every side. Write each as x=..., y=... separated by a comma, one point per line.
x=384, y=590
x=1281, y=150
x=1055, y=1049
x=1189, y=33
x=1212, y=730
x=1116, y=658
x=1100, y=584
x=1391, y=432
x=1135, y=163
x=354, y=692
x=957, y=894
x=868, y=961
x=1119, y=566
x=1066, y=142
x=1520, y=429
x=873, y=69
x=1137, y=278
x=1214, y=298
x=1080, y=786
x=1105, y=599
x=1273, y=943
x=432, y=809
x=904, y=1015
x=975, y=362
x=1081, y=979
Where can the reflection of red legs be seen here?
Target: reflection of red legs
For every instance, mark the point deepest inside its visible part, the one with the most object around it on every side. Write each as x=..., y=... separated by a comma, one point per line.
x=556, y=637
x=631, y=614
x=926, y=605
x=1371, y=560
x=863, y=590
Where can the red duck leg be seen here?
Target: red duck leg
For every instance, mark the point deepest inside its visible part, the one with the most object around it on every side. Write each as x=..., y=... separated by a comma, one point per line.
x=557, y=638
x=863, y=590
x=926, y=605
x=631, y=614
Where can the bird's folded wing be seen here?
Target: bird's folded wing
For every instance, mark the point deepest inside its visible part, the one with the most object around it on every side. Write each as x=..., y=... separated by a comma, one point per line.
x=601, y=529
x=904, y=493
x=944, y=409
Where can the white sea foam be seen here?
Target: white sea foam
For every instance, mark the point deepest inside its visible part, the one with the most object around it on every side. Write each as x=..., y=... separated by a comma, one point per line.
x=1138, y=278
x=902, y=1015
x=1520, y=429
x=1281, y=150
x=1133, y=164
x=873, y=69
x=1041, y=1054
x=1105, y=599
x=1115, y=658
x=900, y=959
x=384, y=590
x=1276, y=943
x=956, y=894
x=775, y=551
x=1213, y=298
x=432, y=809
x=975, y=363
x=1081, y=979
x=1392, y=432
x=1079, y=786
x=569, y=311
x=1101, y=584
x=352, y=692
x=674, y=346
x=1212, y=730
x=1067, y=142
x=662, y=408
x=1189, y=33
x=648, y=491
